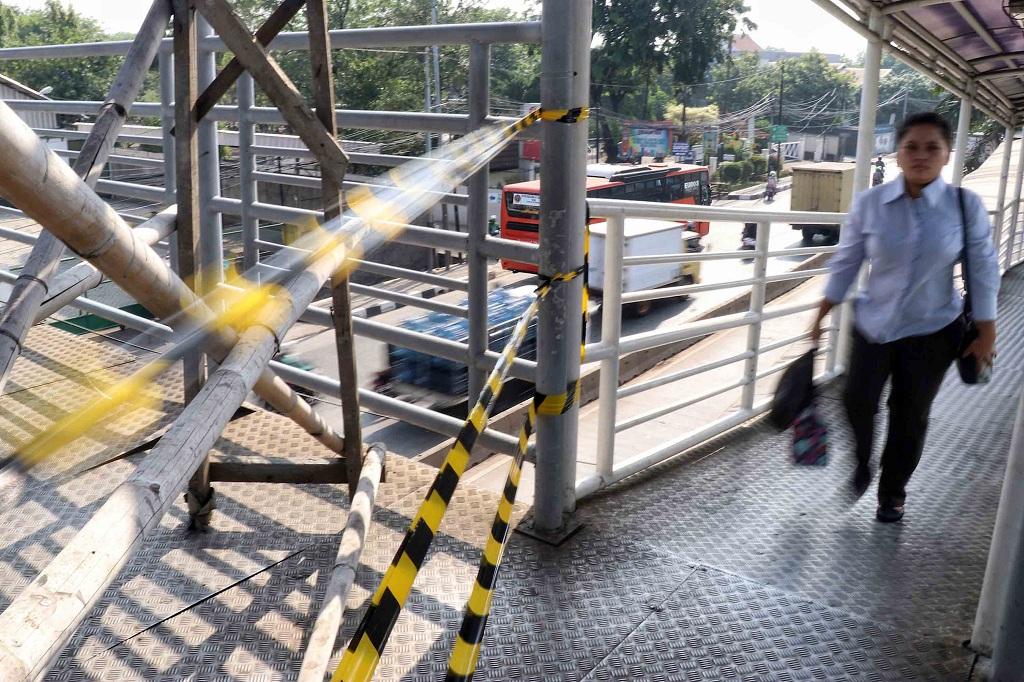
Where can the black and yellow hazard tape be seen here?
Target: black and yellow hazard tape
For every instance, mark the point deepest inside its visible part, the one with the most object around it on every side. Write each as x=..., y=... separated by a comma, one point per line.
x=466, y=650
x=364, y=651
x=573, y=115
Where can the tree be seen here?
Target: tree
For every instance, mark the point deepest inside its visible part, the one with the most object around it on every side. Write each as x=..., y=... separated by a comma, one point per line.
x=905, y=91
x=81, y=79
x=814, y=91
x=638, y=40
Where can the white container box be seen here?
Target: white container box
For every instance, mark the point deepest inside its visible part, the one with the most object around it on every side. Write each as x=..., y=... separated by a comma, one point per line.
x=643, y=237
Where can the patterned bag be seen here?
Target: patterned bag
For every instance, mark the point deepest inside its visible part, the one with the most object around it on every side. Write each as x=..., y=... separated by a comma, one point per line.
x=810, y=438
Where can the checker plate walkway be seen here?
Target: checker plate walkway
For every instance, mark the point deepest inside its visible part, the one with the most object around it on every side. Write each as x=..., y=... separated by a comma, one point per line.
x=725, y=564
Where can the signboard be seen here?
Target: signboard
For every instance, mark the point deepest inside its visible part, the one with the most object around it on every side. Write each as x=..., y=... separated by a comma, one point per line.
x=680, y=148
x=526, y=202
x=530, y=150
x=728, y=157
x=780, y=134
x=711, y=139
x=649, y=141
x=697, y=153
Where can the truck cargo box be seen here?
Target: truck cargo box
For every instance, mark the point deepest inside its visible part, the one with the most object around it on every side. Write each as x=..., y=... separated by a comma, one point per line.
x=645, y=237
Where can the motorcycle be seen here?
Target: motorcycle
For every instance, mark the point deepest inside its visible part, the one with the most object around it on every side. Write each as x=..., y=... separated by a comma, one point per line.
x=769, y=191
x=878, y=178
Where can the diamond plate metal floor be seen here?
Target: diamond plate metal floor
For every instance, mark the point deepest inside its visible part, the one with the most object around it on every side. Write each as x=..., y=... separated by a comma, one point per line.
x=726, y=564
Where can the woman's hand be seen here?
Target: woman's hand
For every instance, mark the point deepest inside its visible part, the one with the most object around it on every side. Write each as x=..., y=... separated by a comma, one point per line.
x=984, y=347
x=823, y=310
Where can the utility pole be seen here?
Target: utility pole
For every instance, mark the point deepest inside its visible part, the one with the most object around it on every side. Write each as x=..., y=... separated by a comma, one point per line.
x=905, y=93
x=778, y=121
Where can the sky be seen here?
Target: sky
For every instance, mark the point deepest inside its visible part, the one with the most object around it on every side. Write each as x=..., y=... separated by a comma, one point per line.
x=776, y=21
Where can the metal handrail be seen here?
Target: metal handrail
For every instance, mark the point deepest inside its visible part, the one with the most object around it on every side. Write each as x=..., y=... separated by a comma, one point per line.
x=613, y=344
x=395, y=36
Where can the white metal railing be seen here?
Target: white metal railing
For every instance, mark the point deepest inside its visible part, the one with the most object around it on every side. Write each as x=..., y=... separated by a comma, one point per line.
x=613, y=345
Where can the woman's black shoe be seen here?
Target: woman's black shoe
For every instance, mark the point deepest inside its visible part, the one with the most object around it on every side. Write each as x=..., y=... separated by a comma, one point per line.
x=887, y=514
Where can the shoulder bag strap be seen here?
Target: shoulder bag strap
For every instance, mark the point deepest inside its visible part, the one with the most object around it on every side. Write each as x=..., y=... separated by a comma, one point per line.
x=966, y=272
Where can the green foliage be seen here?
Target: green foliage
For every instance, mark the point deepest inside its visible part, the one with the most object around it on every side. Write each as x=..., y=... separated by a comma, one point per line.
x=746, y=169
x=920, y=93
x=730, y=171
x=743, y=82
x=639, y=40
x=759, y=164
x=56, y=23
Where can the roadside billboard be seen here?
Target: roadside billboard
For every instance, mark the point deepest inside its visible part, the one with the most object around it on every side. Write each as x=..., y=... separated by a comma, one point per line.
x=653, y=141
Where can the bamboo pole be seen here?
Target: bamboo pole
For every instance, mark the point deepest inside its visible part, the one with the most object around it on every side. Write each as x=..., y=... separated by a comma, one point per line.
x=31, y=287
x=35, y=179
x=40, y=620
x=75, y=281
x=332, y=608
x=341, y=302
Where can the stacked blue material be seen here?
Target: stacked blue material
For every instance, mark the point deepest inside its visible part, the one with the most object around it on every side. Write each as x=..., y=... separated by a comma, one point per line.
x=440, y=375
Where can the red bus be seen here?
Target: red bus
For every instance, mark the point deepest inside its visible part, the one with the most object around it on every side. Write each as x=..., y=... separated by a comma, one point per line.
x=665, y=183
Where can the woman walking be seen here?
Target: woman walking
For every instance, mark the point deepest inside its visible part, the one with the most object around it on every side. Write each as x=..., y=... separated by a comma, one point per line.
x=907, y=318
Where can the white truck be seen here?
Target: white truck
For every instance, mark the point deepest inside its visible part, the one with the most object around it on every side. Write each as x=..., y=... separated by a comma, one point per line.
x=646, y=237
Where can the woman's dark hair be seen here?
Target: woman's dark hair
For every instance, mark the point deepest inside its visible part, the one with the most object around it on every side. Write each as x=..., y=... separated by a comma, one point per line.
x=925, y=118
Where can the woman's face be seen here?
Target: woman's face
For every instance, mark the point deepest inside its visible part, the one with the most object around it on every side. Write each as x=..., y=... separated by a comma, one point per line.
x=922, y=153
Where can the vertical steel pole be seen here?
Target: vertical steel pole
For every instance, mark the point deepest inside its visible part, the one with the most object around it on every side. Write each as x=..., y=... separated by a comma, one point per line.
x=757, y=298
x=997, y=235
x=611, y=331
x=476, y=222
x=1018, y=179
x=1005, y=550
x=165, y=65
x=211, y=238
x=868, y=105
x=564, y=84
x=246, y=166
x=963, y=129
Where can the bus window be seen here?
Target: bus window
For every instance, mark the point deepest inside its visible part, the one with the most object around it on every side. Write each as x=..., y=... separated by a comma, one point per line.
x=675, y=187
x=618, y=192
x=705, y=190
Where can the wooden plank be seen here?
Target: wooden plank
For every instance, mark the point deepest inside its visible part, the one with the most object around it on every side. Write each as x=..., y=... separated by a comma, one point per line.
x=243, y=471
x=273, y=81
x=274, y=24
x=186, y=158
x=341, y=302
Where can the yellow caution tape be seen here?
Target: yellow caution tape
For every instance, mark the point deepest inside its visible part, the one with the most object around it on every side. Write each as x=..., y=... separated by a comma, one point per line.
x=466, y=650
x=367, y=645
x=573, y=115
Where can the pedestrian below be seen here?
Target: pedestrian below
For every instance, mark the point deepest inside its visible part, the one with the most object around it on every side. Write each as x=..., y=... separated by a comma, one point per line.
x=907, y=318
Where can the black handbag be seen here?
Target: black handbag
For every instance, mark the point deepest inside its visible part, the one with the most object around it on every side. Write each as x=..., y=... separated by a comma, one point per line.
x=795, y=392
x=971, y=371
